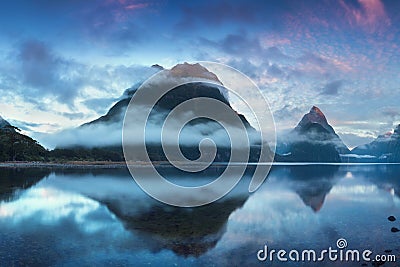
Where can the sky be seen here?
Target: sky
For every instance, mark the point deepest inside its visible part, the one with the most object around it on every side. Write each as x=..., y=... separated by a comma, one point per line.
x=66, y=62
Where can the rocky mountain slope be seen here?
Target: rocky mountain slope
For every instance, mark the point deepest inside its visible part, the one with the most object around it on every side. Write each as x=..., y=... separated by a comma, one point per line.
x=385, y=148
x=312, y=140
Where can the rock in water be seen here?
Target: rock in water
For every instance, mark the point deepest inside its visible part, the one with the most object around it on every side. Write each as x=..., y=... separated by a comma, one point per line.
x=394, y=230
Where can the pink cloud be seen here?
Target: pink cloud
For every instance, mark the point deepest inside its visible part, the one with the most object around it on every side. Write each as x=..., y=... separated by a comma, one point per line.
x=371, y=15
x=268, y=40
x=136, y=6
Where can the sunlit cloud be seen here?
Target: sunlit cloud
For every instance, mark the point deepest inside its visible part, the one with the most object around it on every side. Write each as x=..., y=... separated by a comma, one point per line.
x=370, y=15
x=135, y=6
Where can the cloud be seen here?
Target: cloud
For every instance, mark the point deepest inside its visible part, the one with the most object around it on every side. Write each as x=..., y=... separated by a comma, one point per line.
x=29, y=126
x=36, y=79
x=216, y=13
x=201, y=14
x=243, y=46
x=245, y=66
x=332, y=88
x=100, y=105
x=42, y=70
x=113, y=24
x=389, y=116
x=390, y=111
x=316, y=66
x=73, y=115
x=136, y=6
x=111, y=133
x=235, y=44
x=84, y=136
x=353, y=139
x=37, y=72
x=287, y=112
x=367, y=14
x=312, y=58
x=275, y=70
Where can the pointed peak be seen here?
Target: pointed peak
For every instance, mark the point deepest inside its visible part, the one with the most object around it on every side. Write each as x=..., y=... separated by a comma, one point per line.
x=317, y=111
x=193, y=70
x=314, y=116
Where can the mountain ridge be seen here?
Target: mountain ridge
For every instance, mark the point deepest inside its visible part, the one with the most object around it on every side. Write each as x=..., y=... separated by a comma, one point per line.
x=313, y=139
x=385, y=148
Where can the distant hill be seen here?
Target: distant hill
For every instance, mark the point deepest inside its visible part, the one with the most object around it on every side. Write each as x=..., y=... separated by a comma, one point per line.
x=385, y=148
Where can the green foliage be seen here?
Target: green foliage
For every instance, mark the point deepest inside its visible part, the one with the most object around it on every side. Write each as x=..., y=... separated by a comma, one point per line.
x=18, y=147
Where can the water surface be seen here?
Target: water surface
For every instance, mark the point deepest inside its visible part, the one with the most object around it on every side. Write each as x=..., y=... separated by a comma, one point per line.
x=101, y=217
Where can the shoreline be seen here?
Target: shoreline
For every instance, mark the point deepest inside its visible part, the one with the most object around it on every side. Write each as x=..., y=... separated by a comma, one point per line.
x=64, y=165
x=122, y=164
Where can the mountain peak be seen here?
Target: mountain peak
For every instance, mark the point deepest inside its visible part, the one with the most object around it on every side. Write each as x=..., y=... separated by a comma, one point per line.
x=315, y=110
x=193, y=70
x=314, y=116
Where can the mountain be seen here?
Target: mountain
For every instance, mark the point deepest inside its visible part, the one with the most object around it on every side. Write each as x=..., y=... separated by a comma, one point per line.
x=117, y=111
x=385, y=148
x=4, y=123
x=312, y=140
x=313, y=183
x=189, y=233
x=209, y=86
x=15, y=146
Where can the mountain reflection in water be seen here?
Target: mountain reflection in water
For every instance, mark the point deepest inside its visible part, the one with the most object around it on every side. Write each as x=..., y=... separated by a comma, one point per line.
x=101, y=217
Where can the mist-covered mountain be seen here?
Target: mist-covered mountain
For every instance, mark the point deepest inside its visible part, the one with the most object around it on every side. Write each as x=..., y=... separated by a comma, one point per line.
x=312, y=140
x=15, y=146
x=385, y=148
x=117, y=111
x=109, y=126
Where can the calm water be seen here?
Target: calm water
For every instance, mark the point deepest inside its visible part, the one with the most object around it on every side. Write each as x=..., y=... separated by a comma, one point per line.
x=101, y=217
